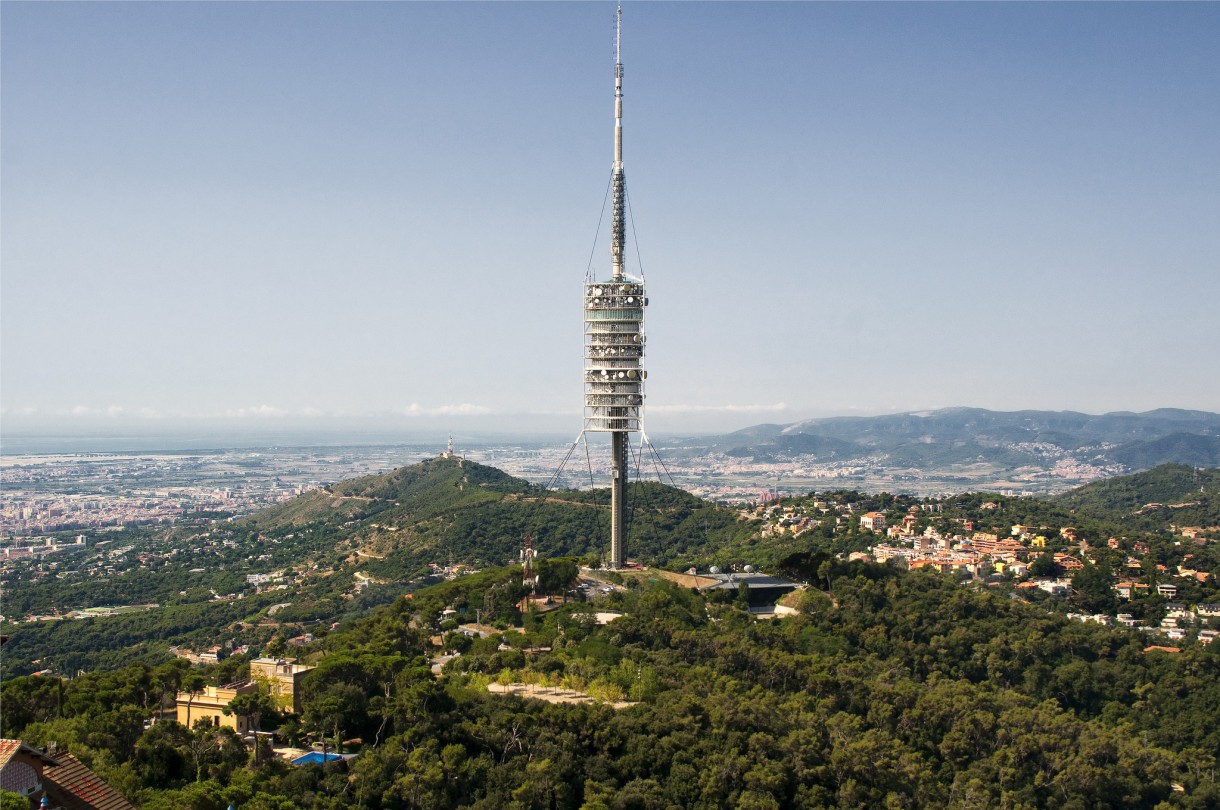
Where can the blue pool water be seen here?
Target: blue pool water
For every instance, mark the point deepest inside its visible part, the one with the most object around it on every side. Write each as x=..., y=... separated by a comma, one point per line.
x=315, y=758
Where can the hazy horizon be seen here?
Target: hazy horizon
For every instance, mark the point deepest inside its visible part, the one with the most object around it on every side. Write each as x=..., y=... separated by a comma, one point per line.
x=203, y=434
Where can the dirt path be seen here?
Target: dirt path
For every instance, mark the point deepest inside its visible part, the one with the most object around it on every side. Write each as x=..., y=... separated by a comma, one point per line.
x=551, y=694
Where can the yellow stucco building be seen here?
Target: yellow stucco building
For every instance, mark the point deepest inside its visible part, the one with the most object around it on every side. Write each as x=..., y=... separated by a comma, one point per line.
x=282, y=677
x=211, y=703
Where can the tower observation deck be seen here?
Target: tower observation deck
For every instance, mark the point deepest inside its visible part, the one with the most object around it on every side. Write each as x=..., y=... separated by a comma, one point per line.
x=614, y=355
x=614, y=339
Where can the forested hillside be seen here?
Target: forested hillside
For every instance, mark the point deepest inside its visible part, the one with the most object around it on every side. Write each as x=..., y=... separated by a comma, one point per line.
x=450, y=508
x=891, y=690
x=417, y=492
x=336, y=553
x=1172, y=494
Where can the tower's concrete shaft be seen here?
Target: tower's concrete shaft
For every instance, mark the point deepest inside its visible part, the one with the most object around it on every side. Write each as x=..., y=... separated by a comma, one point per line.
x=618, y=500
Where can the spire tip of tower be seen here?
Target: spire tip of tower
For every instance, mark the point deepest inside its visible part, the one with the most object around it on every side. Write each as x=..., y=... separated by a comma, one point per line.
x=618, y=35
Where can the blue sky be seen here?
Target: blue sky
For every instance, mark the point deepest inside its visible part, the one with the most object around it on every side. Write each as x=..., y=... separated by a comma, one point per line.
x=276, y=214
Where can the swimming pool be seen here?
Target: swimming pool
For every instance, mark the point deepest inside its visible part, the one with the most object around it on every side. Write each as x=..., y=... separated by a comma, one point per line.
x=315, y=758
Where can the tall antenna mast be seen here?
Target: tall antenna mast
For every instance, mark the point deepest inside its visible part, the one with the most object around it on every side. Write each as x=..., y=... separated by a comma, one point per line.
x=614, y=338
x=618, y=227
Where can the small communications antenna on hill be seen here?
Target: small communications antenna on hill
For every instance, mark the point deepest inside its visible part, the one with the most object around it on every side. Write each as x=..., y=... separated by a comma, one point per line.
x=528, y=578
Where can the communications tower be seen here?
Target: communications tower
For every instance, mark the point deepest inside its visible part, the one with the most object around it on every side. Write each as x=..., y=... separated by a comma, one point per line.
x=614, y=337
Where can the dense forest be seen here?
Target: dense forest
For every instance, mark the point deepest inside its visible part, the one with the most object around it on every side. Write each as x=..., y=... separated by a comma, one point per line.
x=1172, y=494
x=887, y=690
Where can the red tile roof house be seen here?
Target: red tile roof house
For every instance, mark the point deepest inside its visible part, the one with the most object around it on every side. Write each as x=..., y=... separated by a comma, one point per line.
x=62, y=779
x=874, y=521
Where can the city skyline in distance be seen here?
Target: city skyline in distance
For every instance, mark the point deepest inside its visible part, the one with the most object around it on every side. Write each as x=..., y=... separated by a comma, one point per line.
x=259, y=216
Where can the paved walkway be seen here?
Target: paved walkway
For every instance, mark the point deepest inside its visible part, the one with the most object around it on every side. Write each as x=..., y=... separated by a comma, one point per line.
x=288, y=753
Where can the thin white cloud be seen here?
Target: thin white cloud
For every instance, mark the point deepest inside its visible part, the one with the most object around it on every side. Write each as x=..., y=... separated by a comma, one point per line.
x=760, y=408
x=464, y=409
x=110, y=411
x=255, y=411
x=461, y=409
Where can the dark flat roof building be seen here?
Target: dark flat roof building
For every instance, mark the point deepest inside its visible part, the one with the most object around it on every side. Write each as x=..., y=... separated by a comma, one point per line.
x=764, y=590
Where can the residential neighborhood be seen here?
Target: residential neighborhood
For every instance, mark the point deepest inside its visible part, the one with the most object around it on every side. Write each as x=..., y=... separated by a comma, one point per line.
x=975, y=545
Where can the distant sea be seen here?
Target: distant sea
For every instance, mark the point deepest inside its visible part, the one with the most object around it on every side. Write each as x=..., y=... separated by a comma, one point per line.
x=24, y=444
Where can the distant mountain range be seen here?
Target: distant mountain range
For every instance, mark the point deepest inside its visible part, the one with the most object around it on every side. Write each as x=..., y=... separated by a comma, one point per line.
x=1130, y=441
